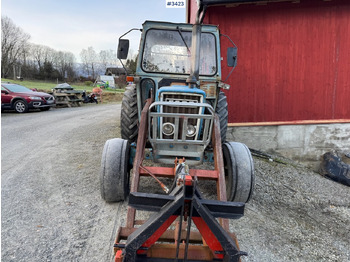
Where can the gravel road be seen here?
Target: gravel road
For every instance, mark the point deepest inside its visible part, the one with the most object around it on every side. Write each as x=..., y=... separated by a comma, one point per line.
x=51, y=204
x=52, y=209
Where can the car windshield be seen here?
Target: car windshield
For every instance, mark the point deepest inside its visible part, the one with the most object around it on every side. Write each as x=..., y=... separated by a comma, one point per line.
x=166, y=52
x=17, y=88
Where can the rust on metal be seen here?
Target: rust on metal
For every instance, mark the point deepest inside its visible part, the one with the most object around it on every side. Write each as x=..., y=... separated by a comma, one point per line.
x=169, y=172
x=140, y=149
x=219, y=165
x=199, y=253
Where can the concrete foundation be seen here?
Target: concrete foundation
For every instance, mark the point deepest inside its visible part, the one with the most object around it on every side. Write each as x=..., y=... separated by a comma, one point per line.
x=303, y=143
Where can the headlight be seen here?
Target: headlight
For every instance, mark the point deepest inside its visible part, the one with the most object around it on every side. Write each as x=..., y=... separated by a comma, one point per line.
x=168, y=129
x=35, y=98
x=191, y=130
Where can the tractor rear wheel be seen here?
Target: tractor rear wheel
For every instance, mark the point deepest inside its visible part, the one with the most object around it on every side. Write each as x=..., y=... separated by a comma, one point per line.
x=239, y=172
x=221, y=110
x=129, y=115
x=114, y=176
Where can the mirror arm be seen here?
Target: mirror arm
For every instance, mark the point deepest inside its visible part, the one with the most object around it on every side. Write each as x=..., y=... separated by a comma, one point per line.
x=229, y=39
x=133, y=29
x=235, y=47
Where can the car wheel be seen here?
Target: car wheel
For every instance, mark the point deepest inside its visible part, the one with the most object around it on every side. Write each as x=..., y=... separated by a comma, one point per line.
x=21, y=106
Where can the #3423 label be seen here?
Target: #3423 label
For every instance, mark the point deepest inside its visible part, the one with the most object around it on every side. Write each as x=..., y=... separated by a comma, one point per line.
x=174, y=4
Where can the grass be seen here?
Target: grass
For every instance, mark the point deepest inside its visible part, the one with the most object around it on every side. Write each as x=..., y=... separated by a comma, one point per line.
x=48, y=86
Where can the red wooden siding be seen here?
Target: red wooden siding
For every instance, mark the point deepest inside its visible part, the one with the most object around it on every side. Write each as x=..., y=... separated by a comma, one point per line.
x=293, y=59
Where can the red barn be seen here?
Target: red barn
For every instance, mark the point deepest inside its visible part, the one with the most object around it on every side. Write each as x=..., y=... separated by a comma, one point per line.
x=293, y=62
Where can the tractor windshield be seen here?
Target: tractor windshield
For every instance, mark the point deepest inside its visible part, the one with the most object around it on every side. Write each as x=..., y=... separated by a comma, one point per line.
x=166, y=52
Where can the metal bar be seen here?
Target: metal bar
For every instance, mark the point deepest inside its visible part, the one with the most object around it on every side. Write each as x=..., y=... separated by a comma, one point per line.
x=164, y=187
x=183, y=104
x=144, y=232
x=169, y=172
x=155, y=202
x=233, y=210
x=167, y=252
x=157, y=234
x=189, y=219
x=174, y=115
x=191, y=142
x=206, y=127
x=178, y=240
x=219, y=166
x=168, y=236
x=176, y=132
x=184, y=129
x=227, y=243
x=159, y=171
x=208, y=236
x=148, y=201
x=154, y=127
x=140, y=148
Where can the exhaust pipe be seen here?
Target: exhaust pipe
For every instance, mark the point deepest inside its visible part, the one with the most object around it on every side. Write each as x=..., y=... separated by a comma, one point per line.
x=192, y=80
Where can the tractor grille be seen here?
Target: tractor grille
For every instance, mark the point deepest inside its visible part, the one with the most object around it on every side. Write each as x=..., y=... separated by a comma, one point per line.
x=171, y=123
x=182, y=98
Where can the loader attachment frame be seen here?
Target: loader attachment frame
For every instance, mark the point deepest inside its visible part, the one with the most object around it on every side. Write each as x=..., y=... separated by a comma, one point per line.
x=167, y=234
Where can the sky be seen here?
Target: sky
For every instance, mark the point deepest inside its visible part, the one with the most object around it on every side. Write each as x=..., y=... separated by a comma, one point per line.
x=74, y=25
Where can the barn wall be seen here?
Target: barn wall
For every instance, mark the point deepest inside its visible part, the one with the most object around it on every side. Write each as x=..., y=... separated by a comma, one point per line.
x=293, y=59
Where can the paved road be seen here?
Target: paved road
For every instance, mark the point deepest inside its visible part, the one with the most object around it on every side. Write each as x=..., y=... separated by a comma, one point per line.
x=51, y=209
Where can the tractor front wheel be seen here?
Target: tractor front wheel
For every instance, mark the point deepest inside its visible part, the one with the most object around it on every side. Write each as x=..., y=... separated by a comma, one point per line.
x=239, y=172
x=114, y=176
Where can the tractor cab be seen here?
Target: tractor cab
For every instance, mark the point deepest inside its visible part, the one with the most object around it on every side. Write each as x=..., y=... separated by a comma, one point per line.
x=164, y=73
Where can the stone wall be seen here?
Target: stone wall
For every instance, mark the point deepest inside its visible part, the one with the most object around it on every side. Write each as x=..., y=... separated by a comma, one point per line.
x=303, y=143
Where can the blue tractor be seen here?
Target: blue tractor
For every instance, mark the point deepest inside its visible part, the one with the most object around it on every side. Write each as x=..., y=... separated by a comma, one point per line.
x=175, y=113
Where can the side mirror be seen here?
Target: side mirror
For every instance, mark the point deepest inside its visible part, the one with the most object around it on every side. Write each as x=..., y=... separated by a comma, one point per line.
x=232, y=56
x=123, y=48
x=4, y=92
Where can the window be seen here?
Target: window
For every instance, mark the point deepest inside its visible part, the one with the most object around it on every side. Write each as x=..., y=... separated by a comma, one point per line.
x=166, y=52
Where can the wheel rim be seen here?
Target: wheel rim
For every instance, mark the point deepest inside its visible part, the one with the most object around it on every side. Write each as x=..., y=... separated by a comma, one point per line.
x=20, y=107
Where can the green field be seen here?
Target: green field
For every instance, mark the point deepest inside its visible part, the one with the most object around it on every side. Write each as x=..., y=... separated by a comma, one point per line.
x=48, y=86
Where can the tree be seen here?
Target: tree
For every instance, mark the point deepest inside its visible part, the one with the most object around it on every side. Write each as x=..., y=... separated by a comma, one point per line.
x=38, y=54
x=131, y=65
x=13, y=45
x=89, y=60
x=107, y=59
x=65, y=64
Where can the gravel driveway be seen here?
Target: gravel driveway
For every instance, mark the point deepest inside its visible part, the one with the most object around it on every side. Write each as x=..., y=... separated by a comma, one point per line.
x=52, y=209
x=51, y=204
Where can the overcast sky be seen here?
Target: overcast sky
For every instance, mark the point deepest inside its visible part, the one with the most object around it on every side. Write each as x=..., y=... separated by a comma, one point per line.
x=73, y=25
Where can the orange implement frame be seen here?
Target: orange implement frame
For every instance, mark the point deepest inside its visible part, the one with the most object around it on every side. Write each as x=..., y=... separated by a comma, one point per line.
x=165, y=243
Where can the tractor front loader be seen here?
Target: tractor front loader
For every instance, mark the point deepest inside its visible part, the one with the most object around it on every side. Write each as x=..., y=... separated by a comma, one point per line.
x=175, y=115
